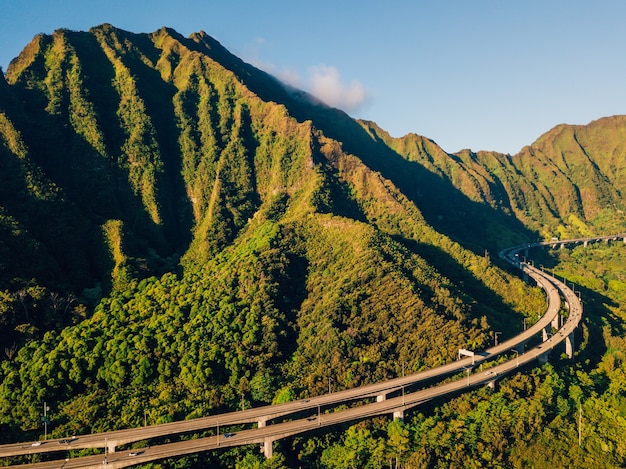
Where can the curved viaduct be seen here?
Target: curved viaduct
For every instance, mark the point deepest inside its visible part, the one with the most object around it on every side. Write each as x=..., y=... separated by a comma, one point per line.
x=386, y=397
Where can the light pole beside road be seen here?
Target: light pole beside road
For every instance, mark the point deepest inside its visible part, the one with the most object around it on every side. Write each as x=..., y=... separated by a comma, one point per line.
x=495, y=338
x=467, y=370
x=516, y=356
x=319, y=415
x=46, y=408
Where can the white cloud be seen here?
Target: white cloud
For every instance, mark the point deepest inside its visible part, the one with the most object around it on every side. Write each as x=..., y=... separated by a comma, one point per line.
x=322, y=81
x=288, y=77
x=325, y=84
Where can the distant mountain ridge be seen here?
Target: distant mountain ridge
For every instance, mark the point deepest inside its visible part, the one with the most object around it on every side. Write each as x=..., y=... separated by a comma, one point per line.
x=572, y=172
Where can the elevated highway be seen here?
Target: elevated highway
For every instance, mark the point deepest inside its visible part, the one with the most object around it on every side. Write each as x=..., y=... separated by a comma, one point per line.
x=391, y=396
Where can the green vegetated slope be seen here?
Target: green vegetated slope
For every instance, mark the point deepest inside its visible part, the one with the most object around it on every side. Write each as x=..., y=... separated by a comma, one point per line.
x=569, y=183
x=180, y=233
x=567, y=413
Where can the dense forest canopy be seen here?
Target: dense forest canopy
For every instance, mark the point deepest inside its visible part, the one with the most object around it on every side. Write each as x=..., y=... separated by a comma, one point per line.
x=182, y=234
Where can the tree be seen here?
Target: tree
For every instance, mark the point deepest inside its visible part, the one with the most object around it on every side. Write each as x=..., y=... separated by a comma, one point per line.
x=397, y=440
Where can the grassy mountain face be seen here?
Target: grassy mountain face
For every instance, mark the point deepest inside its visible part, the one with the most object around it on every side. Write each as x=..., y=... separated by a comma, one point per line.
x=569, y=183
x=179, y=231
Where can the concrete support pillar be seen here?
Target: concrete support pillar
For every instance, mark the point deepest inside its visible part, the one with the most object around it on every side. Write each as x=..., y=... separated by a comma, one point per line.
x=381, y=397
x=544, y=333
x=111, y=447
x=556, y=321
x=585, y=243
x=398, y=414
x=262, y=422
x=268, y=447
x=492, y=384
x=569, y=345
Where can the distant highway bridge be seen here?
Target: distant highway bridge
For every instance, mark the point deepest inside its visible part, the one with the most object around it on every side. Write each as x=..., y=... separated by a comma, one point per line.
x=386, y=397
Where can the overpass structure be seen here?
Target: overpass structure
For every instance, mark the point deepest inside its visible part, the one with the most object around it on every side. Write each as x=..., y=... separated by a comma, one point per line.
x=382, y=398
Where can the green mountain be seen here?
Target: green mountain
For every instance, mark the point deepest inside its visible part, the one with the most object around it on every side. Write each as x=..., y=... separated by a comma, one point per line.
x=569, y=182
x=180, y=231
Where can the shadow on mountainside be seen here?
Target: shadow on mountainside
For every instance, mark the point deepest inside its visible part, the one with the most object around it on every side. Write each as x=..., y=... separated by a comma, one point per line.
x=499, y=315
x=474, y=225
x=597, y=316
x=95, y=186
x=157, y=95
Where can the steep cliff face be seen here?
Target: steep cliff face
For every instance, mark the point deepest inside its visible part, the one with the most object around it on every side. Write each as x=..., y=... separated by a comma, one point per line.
x=164, y=138
x=146, y=130
x=182, y=143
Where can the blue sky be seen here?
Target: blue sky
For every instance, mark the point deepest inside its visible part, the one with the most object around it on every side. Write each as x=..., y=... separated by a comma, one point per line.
x=485, y=75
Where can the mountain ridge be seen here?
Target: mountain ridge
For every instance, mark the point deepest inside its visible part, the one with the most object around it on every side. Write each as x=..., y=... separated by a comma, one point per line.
x=91, y=88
